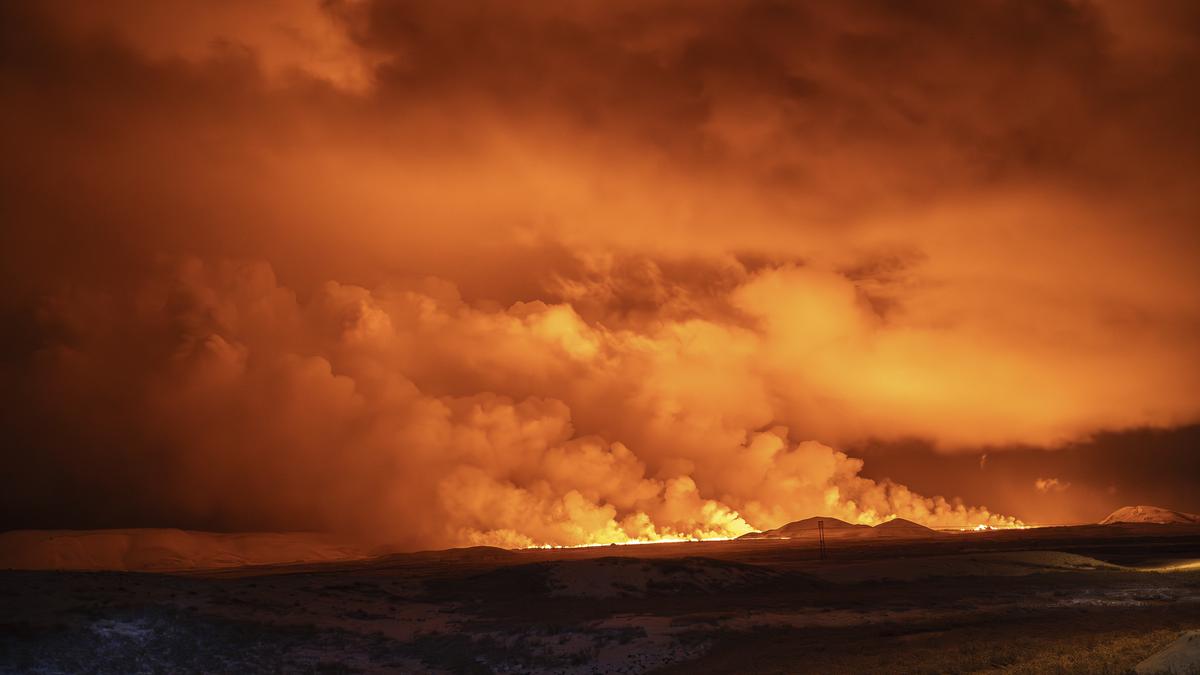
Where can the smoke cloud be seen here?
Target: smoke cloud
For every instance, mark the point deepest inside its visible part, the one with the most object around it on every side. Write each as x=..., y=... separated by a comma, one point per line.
x=376, y=411
x=438, y=275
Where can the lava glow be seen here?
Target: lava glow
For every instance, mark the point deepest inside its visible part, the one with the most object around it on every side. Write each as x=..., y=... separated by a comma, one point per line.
x=992, y=528
x=634, y=542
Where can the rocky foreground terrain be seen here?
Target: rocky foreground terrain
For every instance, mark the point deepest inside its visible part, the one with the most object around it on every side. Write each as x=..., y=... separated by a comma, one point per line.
x=1095, y=599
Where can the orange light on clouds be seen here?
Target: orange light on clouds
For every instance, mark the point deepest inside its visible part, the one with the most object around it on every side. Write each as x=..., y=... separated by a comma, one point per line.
x=585, y=274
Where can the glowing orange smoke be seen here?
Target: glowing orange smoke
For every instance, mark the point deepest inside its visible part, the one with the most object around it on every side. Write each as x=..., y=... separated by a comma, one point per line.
x=584, y=273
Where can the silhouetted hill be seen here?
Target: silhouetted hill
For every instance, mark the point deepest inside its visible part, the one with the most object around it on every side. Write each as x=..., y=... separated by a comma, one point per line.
x=838, y=529
x=808, y=527
x=901, y=527
x=1150, y=514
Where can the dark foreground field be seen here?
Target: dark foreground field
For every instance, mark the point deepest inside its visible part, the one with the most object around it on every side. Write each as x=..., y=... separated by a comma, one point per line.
x=1066, y=600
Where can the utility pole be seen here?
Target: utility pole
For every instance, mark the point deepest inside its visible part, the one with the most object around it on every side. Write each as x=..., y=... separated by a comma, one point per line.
x=821, y=536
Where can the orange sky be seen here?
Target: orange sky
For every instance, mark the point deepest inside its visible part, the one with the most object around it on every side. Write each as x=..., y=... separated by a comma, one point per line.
x=443, y=274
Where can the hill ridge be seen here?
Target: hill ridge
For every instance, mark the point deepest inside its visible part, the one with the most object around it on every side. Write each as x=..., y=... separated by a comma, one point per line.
x=837, y=528
x=1150, y=514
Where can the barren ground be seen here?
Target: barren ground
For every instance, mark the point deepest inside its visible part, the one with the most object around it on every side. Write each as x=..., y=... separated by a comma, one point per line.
x=1085, y=600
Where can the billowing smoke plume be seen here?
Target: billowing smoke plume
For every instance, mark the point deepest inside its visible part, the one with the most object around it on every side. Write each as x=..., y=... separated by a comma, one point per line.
x=377, y=411
x=572, y=273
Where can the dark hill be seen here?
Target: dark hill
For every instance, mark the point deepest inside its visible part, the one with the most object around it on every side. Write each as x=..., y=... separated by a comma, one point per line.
x=840, y=529
x=900, y=527
x=808, y=528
